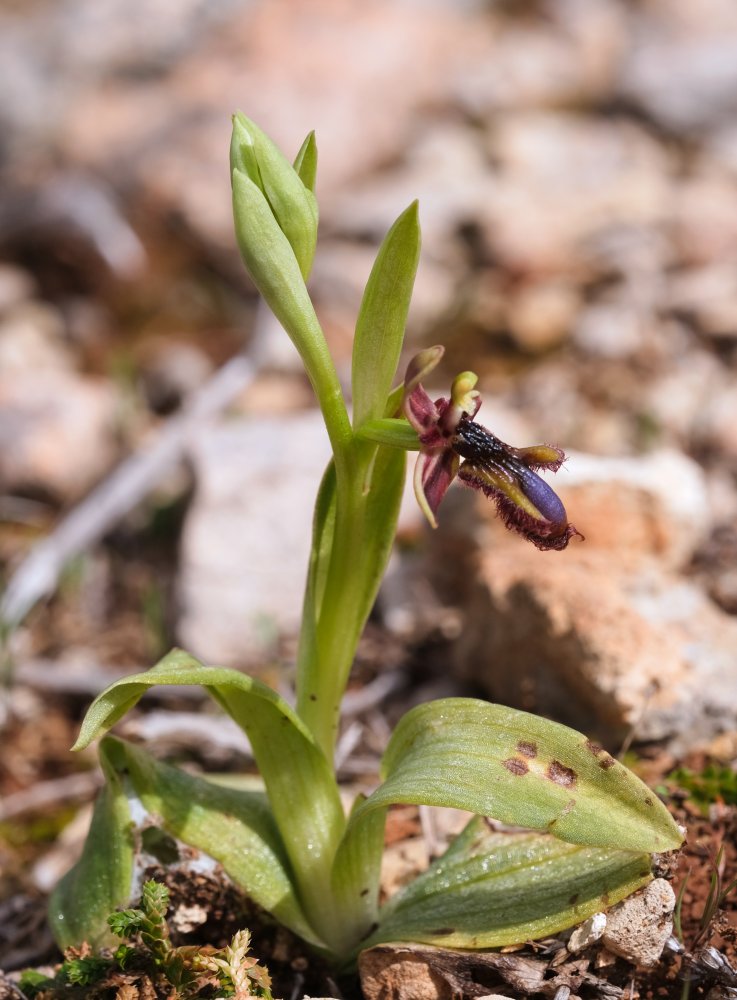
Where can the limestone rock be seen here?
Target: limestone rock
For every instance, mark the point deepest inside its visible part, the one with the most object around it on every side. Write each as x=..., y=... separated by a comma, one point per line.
x=420, y=972
x=607, y=634
x=562, y=181
x=587, y=933
x=655, y=504
x=31, y=339
x=600, y=646
x=541, y=315
x=638, y=927
x=58, y=432
x=681, y=64
x=247, y=536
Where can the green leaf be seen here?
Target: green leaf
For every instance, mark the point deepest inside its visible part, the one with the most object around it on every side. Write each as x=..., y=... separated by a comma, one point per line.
x=383, y=317
x=493, y=889
x=360, y=542
x=235, y=827
x=520, y=769
x=356, y=874
x=299, y=780
x=383, y=497
x=323, y=531
x=390, y=431
x=293, y=204
x=305, y=162
x=102, y=879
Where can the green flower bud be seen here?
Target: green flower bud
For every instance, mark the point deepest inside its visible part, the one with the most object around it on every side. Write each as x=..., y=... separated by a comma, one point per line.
x=291, y=202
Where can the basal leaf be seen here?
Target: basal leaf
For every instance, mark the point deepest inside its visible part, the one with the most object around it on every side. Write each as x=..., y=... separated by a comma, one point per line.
x=299, y=781
x=383, y=317
x=356, y=874
x=492, y=889
x=520, y=769
x=102, y=878
x=235, y=827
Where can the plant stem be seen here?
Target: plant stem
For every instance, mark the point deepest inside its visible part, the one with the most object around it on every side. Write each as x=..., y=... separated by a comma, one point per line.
x=310, y=342
x=325, y=662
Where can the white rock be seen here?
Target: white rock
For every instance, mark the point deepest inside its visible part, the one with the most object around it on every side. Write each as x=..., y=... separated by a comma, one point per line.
x=681, y=64
x=31, y=340
x=610, y=329
x=607, y=634
x=246, y=540
x=638, y=927
x=655, y=503
x=57, y=431
x=587, y=933
x=562, y=180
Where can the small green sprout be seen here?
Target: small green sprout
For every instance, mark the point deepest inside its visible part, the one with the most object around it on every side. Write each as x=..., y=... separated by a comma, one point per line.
x=292, y=848
x=238, y=974
x=716, y=783
x=146, y=954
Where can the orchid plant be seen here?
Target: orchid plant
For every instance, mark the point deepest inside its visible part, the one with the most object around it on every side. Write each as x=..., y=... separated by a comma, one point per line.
x=291, y=847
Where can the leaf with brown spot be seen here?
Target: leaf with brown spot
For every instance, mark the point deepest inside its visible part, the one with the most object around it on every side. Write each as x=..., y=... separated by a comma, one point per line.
x=515, y=766
x=462, y=753
x=561, y=774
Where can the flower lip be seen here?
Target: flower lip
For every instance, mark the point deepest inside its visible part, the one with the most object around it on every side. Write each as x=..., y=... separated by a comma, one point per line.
x=453, y=445
x=525, y=502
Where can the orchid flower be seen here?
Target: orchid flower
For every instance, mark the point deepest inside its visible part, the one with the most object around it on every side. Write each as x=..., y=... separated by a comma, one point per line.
x=453, y=444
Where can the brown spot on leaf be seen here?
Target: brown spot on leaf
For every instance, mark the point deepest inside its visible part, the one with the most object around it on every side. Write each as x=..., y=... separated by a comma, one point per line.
x=607, y=762
x=561, y=774
x=649, y=801
x=574, y=899
x=527, y=748
x=515, y=766
x=593, y=748
x=443, y=931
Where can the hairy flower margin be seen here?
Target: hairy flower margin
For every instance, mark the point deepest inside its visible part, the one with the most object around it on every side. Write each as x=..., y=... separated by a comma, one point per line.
x=453, y=444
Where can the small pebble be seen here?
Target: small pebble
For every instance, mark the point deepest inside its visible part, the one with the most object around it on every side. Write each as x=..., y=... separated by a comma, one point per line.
x=587, y=933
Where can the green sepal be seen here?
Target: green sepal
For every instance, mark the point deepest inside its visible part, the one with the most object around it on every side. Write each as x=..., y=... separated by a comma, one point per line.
x=383, y=316
x=305, y=162
x=268, y=255
x=390, y=431
x=298, y=778
x=234, y=827
x=494, y=889
x=292, y=203
x=102, y=879
x=273, y=267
